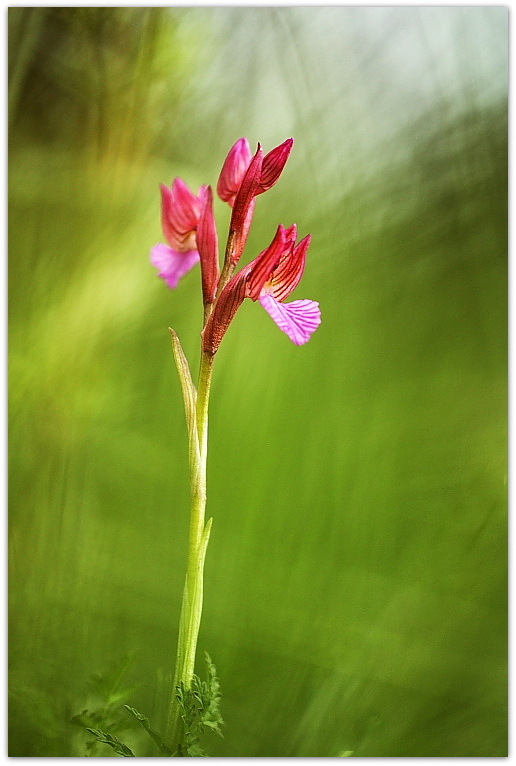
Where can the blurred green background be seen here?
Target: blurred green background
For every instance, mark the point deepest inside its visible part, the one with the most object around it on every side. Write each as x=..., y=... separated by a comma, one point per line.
x=357, y=570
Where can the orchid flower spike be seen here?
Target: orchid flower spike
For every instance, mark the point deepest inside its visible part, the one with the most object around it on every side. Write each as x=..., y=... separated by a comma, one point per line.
x=180, y=214
x=270, y=278
x=188, y=222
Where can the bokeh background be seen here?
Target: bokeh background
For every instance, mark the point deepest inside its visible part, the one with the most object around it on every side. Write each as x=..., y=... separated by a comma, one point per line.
x=356, y=575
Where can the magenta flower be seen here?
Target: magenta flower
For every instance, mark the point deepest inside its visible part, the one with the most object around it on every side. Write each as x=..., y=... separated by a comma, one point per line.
x=270, y=278
x=233, y=170
x=239, y=159
x=243, y=207
x=180, y=214
x=242, y=178
x=273, y=164
x=188, y=222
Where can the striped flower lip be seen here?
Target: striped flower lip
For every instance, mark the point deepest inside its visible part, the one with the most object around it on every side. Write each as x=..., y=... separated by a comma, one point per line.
x=270, y=278
x=298, y=319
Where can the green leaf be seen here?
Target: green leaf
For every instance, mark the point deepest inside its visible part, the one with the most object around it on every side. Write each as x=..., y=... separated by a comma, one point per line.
x=204, y=541
x=112, y=741
x=187, y=385
x=213, y=717
x=195, y=751
x=200, y=707
x=144, y=721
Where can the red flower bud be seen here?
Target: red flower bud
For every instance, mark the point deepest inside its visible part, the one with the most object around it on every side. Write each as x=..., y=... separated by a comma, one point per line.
x=244, y=206
x=228, y=302
x=233, y=171
x=207, y=245
x=273, y=164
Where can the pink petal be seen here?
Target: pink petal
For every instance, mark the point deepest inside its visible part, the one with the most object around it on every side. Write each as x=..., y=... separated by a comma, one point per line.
x=180, y=210
x=287, y=274
x=243, y=205
x=188, y=206
x=259, y=270
x=298, y=319
x=273, y=164
x=291, y=235
x=233, y=170
x=167, y=204
x=172, y=264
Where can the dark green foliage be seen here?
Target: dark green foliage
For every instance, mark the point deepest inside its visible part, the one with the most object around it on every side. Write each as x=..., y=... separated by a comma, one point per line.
x=114, y=742
x=164, y=749
x=211, y=690
x=201, y=709
x=108, y=718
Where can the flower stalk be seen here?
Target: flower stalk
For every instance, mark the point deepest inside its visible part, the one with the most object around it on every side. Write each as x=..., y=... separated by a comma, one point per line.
x=196, y=409
x=191, y=234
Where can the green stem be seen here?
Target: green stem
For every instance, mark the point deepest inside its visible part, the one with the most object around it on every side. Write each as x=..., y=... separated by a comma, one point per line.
x=198, y=540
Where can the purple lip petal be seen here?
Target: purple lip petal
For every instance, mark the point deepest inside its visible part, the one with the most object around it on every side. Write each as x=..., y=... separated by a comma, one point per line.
x=172, y=264
x=298, y=319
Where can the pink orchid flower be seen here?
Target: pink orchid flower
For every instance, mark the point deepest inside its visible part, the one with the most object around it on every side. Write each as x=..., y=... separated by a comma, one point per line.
x=238, y=161
x=188, y=222
x=242, y=178
x=270, y=278
x=180, y=214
